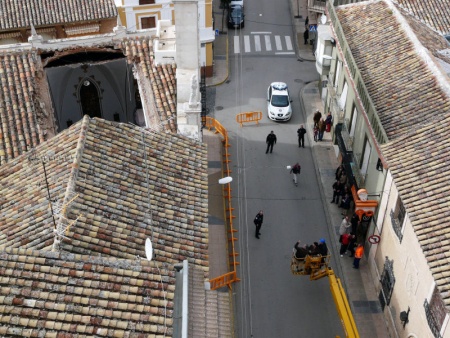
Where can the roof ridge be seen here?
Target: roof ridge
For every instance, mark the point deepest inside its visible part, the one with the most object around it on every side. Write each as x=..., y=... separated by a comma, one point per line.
x=70, y=190
x=421, y=51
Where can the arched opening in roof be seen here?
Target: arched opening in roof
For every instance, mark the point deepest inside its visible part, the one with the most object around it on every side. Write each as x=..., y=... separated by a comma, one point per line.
x=89, y=98
x=97, y=82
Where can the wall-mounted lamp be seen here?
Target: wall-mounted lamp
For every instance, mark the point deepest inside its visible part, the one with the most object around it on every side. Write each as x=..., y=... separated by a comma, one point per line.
x=226, y=180
x=404, y=317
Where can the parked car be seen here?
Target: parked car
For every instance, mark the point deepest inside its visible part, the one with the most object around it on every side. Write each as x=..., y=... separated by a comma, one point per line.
x=236, y=16
x=279, y=103
x=237, y=2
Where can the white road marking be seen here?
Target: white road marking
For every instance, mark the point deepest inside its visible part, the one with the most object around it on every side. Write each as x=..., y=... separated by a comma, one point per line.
x=267, y=41
x=278, y=42
x=236, y=45
x=247, y=43
x=257, y=43
x=288, y=42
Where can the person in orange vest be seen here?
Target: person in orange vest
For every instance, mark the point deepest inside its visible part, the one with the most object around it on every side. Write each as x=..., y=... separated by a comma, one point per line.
x=359, y=252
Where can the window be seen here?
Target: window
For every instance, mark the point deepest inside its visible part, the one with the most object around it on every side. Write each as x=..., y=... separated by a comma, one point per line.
x=387, y=283
x=338, y=70
x=146, y=2
x=366, y=156
x=343, y=97
x=397, y=218
x=148, y=22
x=435, y=313
x=353, y=122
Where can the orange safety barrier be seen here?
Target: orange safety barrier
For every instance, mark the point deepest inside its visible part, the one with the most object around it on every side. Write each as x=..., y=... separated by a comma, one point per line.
x=230, y=277
x=253, y=116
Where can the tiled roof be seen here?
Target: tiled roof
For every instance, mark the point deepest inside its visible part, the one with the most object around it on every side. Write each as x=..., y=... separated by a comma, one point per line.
x=56, y=294
x=21, y=115
x=402, y=86
x=16, y=14
x=26, y=122
x=420, y=165
x=106, y=165
x=434, y=13
x=161, y=79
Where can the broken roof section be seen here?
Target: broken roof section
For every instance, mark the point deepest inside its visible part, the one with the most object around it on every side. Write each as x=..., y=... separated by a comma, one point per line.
x=27, y=111
x=121, y=183
x=21, y=14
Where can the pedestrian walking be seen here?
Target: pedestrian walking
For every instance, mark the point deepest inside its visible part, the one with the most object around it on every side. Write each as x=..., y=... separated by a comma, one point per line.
x=301, y=136
x=258, y=223
x=271, y=139
x=316, y=118
x=306, y=36
x=322, y=128
x=359, y=252
x=295, y=170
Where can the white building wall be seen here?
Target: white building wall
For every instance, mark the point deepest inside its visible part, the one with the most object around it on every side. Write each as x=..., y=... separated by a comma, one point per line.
x=413, y=279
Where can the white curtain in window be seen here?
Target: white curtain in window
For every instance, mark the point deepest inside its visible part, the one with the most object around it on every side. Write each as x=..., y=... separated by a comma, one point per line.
x=338, y=70
x=343, y=98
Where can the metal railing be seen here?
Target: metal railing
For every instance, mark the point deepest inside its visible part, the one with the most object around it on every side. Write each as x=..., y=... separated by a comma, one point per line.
x=230, y=277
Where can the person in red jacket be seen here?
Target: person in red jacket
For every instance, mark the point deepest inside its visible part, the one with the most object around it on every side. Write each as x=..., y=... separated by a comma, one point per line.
x=345, y=241
x=359, y=252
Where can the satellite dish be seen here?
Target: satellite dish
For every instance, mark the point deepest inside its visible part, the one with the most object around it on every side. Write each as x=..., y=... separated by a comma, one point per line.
x=323, y=19
x=226, y=180
x=148, y=249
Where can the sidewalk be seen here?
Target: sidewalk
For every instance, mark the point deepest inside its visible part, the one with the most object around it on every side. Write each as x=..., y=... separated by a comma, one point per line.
x=359, y=286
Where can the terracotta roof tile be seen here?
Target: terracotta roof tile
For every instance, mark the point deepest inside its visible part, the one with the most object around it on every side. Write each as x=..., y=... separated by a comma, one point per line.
x=104, y=163
x=18, y=14
x=402, y=86
x=138, y=306
x=432, y=12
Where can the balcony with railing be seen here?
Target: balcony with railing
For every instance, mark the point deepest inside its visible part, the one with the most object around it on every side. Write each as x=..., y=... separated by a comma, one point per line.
x=348, y=140
x=317, y=6
x=396, y=226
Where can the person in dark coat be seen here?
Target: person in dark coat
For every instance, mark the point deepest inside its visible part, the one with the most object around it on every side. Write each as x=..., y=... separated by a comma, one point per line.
x=301, y=136
x=328, y=122
x=300, y=251
x=316, y=118
x=323, y=249
x=270, y=140
x=306, y=36
x=258, y=222
x=337, y=189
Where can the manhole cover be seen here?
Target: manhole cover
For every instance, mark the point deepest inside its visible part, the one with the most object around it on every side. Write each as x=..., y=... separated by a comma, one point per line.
x=298, y=80
x=219, y=108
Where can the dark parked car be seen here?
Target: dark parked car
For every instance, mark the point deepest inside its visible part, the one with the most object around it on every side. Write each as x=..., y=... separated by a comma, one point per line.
x=236, y=16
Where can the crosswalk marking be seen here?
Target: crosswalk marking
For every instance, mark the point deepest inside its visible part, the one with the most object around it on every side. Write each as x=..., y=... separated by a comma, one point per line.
x=288, y=42
x=278, y=42
x=247, y=43
x=236, y=45
x=257, y=43
x=267, y=41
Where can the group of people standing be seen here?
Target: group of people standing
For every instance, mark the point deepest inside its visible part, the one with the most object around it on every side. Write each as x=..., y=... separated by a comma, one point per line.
x=320, y=125
x=348, y=237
